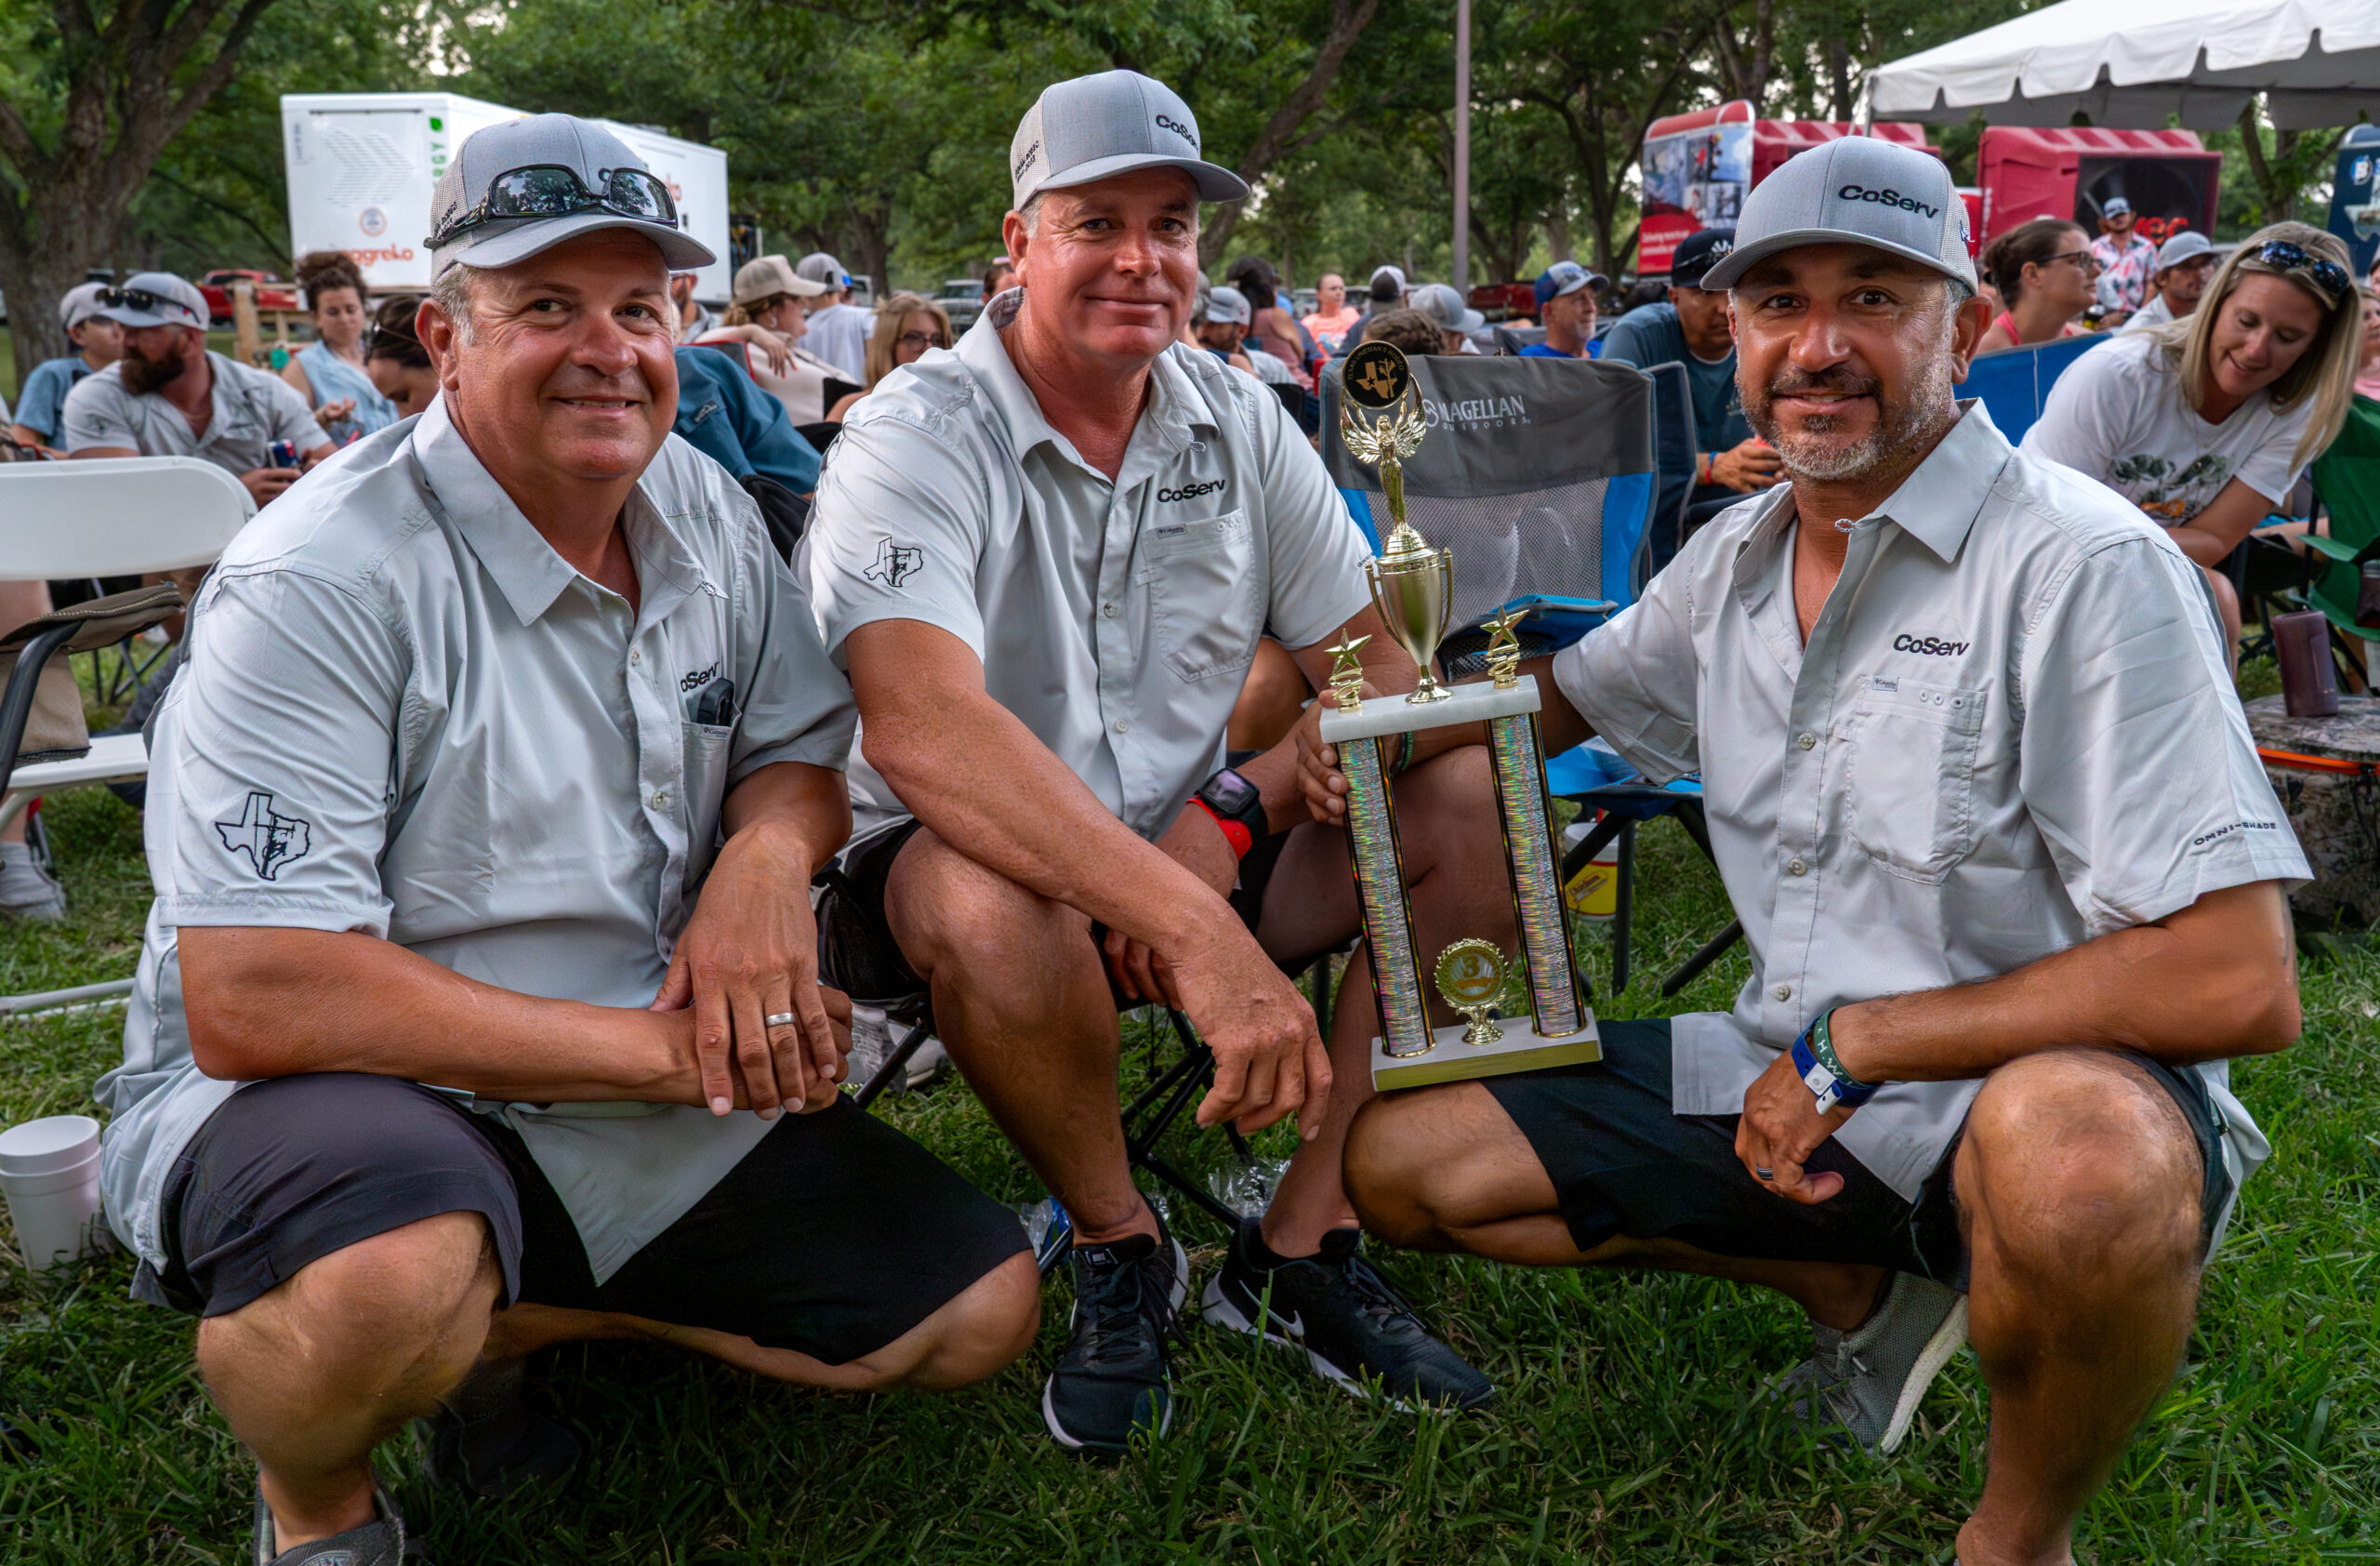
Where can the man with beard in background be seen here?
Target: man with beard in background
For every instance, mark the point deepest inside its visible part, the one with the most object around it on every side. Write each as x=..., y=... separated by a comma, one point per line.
x=1976, y=1085
x=172, y=396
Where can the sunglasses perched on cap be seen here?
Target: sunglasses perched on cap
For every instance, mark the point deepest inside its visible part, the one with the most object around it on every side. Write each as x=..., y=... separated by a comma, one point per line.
x=548, y=190
x=138, y=298
x=2329, y=278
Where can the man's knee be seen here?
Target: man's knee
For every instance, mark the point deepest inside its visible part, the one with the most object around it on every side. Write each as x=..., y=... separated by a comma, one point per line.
x=1394, y=1163
x=983, y=1332
x=2082, y=1165
x=960, y=922
x=369, y=1312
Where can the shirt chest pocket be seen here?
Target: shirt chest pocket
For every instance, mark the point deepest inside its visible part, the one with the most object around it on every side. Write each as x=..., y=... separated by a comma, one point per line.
x=709, y=750
x=1206, y=594
x=1912, y=775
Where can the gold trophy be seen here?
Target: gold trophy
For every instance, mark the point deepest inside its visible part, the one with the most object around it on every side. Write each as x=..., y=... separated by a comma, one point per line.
x=1380, y=424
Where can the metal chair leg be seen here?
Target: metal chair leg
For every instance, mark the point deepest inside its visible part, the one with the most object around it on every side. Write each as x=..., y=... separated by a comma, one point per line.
x=1712, y=950
x=1623, y=909
x=896, y=1064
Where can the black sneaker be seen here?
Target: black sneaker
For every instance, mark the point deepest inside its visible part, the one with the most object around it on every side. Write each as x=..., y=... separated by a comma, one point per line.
x=1355, y=1329
x=1114, y=1377
x=380, y=1542
x=487, y=1443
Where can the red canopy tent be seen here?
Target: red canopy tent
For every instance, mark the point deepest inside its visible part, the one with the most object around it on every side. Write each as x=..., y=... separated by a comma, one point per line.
x=2027, y=172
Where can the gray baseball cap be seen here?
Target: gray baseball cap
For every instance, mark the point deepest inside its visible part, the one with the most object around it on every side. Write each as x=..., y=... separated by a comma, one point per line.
x=79, y=303
x=820, y=267
x=1228, y=305
x=2186, y=246
x=1442, y=304
x=1090, y=128
x=174, y=301
x=555, y=141
x=1855, y=190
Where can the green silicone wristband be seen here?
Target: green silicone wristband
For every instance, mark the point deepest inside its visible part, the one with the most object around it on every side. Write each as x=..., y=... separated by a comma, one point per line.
x=1823, y=1045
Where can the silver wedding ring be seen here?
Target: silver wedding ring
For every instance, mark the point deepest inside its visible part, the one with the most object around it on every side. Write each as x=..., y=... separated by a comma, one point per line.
x=1763, y=1173
x=781, y=1020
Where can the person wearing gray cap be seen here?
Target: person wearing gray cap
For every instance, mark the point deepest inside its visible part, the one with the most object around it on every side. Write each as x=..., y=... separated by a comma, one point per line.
x=170, y=396
x=838, y=328
x=502, y=761
x=1974, y=1085
x=2127, y=257
x=1444, y=306
x=1046, y=559
x=98, y=342
x=2183, y=263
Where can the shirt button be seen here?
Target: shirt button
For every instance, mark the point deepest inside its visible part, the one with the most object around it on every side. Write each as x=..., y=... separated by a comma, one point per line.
x=1109, y=610
x=1797, y=868
x=661, y=802
x=1122, y=728
x=1806, y=741
x=635, y=658
x=1783, y=992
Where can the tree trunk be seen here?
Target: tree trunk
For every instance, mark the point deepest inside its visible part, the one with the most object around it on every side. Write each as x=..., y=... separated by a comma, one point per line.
x=1348, y=20
x=121, y=107
x=1557, y=227
x=1838, y=67
x=872, y=246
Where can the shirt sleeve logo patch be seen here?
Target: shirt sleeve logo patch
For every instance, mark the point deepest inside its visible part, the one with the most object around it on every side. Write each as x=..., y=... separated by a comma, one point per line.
x=270, y=840
x=895, y=563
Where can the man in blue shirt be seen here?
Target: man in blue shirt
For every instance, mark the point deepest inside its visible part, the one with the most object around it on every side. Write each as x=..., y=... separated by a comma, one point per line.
x=1566, y=308
x=1691, y=329
x=98, y=341
x=726, y=417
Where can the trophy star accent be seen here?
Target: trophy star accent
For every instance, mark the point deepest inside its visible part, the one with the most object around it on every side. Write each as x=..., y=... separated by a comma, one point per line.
x=1380, y=425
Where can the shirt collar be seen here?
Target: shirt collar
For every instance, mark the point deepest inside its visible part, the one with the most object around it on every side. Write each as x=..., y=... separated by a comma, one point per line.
x=1938, y=504
x=527, y=570
x=1173, y=404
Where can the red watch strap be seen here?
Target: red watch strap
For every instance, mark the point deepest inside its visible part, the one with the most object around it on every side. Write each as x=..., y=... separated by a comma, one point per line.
x=1235, y=833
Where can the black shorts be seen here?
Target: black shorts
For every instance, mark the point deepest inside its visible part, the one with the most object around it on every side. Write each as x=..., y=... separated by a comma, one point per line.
x=834, y=1236
x=1624, y=1163
x=858, y=955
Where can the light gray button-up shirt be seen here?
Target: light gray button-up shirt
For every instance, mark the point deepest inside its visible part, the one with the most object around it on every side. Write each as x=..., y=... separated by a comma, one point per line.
x=403, y=714
x=1115, y=620
x=2012, y=731
x=251, y=411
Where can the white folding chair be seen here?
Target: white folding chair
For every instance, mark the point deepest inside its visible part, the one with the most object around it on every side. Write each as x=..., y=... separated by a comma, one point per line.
x=106, y=517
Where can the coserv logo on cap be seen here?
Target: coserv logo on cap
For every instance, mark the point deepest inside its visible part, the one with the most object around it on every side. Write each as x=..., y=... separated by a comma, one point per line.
x=1887, y=197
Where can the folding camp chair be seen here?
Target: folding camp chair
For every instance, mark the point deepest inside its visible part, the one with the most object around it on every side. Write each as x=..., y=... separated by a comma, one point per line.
x=2014, y=383
x=2347, y=482
x=103, y=517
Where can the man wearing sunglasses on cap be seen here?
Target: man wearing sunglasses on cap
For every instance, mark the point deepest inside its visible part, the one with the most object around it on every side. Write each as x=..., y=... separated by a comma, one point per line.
x=481, y=975
x=170, y=396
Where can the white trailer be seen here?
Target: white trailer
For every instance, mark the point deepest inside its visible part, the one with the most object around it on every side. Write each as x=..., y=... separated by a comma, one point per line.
x=362, y=166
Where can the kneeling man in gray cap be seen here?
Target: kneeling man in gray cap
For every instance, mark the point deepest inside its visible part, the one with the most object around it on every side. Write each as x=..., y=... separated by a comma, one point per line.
x=1046, y=559
x=482, y=976
x=2008, y=867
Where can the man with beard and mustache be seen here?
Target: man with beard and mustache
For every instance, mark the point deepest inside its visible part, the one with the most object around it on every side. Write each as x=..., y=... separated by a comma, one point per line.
x=502, y=764
x=1975, y=1087
x=172, y=396
x=1046, y=559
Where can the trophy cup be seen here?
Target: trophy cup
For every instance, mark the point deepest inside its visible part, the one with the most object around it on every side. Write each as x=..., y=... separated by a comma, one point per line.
x=1380, y=422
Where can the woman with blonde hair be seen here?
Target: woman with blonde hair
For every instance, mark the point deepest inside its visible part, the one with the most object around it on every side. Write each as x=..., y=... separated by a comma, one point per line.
x=908, y=325
x=2206, y=423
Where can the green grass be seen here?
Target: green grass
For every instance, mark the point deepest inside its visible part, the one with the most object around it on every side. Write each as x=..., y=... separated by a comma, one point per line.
x=1630, y=1427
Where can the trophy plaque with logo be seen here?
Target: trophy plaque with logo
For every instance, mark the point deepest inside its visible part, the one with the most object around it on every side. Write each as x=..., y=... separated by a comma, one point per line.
x=1382, y=424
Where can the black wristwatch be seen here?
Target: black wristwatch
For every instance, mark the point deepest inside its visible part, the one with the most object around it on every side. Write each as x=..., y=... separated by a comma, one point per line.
x=1234, y=801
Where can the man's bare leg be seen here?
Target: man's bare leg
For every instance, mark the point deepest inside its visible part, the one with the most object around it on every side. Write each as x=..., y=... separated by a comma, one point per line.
x=315, y=1374
x=2078, y=1180
x=1454, y=851
x=1023, y=1002
x=1446, y=1169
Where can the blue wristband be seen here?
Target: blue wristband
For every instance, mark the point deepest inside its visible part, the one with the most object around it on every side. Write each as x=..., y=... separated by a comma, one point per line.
x=1832, y=1090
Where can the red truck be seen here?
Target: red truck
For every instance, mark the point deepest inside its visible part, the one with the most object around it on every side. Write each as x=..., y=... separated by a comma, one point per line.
x=1501, y=302
x=271, y=292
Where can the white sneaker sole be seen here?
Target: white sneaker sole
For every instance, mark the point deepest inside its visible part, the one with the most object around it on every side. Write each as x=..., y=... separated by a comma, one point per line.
x=1165, y=1420
x=1946, y=1341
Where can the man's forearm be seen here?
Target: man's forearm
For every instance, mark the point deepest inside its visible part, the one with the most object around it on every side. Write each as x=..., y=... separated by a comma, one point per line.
x=808, y=805
x=2215, y=980
x=276, y=1002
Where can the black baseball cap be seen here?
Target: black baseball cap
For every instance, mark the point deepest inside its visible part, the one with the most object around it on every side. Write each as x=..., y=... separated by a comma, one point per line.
x=1698, y=253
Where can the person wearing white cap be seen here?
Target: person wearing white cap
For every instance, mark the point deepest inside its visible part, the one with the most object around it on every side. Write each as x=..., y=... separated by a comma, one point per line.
x=98, y=342
x=2127, y=257
x=2183, y=263
x=501, y=762
x=768, y=332
x=1939, y=694
x=1221, y=327
x=171, y=395
x=838, y=328
x=1046, y=559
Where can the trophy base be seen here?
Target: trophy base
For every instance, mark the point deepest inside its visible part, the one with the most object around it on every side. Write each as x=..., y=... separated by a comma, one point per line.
x=1453, y=1059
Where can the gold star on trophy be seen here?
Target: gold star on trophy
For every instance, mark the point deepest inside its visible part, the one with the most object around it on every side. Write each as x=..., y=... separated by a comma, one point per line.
x=1505, y=647
x=1347, y=672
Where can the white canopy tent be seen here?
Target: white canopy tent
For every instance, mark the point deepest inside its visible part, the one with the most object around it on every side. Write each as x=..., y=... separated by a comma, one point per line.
x=2317, y=61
